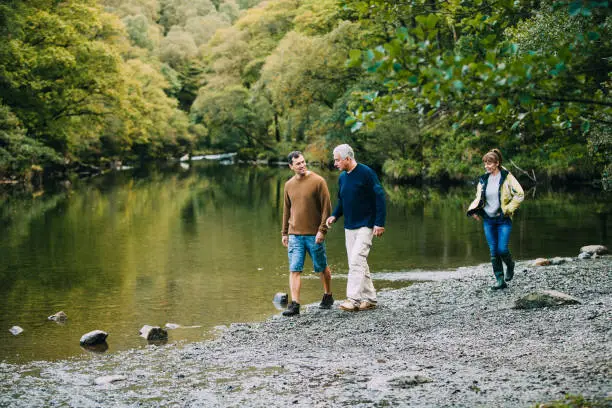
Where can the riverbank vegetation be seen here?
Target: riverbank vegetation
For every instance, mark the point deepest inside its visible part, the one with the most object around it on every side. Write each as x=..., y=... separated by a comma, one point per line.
x=420, y=89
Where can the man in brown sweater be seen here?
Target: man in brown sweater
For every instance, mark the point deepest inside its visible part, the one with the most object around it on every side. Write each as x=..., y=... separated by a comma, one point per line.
x=306, y=208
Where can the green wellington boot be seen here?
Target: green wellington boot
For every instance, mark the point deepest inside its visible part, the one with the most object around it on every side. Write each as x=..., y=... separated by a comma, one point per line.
x=498, y=271
x=507, y=258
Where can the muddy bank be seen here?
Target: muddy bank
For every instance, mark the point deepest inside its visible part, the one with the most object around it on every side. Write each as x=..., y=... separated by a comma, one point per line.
x=437, y=343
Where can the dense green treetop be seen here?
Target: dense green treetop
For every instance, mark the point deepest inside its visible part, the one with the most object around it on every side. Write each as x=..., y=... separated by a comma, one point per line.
x=490, y=73
x=421, y=89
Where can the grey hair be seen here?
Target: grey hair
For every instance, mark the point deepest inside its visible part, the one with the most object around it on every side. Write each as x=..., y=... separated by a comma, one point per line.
x=344, y=151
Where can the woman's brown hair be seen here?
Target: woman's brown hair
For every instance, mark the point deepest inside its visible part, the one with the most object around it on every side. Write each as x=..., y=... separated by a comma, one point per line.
x=493, y=155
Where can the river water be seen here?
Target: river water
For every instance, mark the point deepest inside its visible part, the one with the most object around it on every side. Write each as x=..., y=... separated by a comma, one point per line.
x=200, y=247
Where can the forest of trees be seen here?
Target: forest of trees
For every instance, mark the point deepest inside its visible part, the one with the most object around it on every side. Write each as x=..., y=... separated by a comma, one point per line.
x=420, y=88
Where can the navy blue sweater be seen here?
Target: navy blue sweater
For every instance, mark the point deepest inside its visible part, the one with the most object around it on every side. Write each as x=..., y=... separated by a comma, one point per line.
x=361, y=199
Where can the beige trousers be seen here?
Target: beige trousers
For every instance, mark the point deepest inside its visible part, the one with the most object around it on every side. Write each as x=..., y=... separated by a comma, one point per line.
x=359, y=286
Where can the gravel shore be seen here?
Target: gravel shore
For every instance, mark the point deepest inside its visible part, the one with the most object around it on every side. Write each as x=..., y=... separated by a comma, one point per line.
x=440, y=343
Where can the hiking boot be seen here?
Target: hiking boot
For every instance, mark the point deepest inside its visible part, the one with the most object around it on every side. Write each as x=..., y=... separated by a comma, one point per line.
x=349, y=306
x=498, y=271
x=292, y=310
x=327, y=301
x=365, y=305
x=499, y=284
x=507, y=258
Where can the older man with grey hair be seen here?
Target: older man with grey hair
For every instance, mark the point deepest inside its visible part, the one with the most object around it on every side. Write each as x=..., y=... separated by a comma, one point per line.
x=361, y=199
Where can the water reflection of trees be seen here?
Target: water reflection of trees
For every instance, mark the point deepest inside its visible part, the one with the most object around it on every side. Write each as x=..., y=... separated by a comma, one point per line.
x=246, y=186
x=410, y=197
x=563, y=203
x=437, y=225
x=220, y=187
x=147, y=242
x=17, y=211
x=133, y=207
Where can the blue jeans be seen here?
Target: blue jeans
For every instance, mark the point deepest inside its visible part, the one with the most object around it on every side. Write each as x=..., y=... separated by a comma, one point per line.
x=299, y=245
x=497, y=231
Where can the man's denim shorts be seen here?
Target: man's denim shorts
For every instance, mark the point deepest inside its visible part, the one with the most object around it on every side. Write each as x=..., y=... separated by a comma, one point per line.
x=297, y=248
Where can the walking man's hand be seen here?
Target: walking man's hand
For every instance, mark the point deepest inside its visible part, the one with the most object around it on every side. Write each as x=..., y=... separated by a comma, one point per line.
x=320, y=237
x=285, y=240
x=378, y=231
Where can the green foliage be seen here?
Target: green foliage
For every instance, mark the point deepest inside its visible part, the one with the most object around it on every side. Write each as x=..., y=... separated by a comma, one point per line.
x=230, y=11
x=19, y=154
x=420, y=89
x=280, y=97
x=80, y=90
x=246, y=4
x=305, y=94
x=396, y=143
x=201, y=29
x=178, y=12
x=495, y=74
x=317, y=18
x=232, y=118
x=452, y=156
x=178, y=47
x=401, y=168
x=173, y=78
x=153, y=127
x=600, y=148
x=58, y=64
x=138, y=30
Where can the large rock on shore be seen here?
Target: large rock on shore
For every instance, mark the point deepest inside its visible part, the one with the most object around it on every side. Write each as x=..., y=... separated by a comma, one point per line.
x=153, y=333
x=93, y=337
x=281, y=298
x=541, y=262
x=545, y=298
x=594, y=249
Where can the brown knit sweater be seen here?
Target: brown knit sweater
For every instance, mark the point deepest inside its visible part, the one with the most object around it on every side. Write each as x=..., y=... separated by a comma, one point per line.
x=307, y=205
